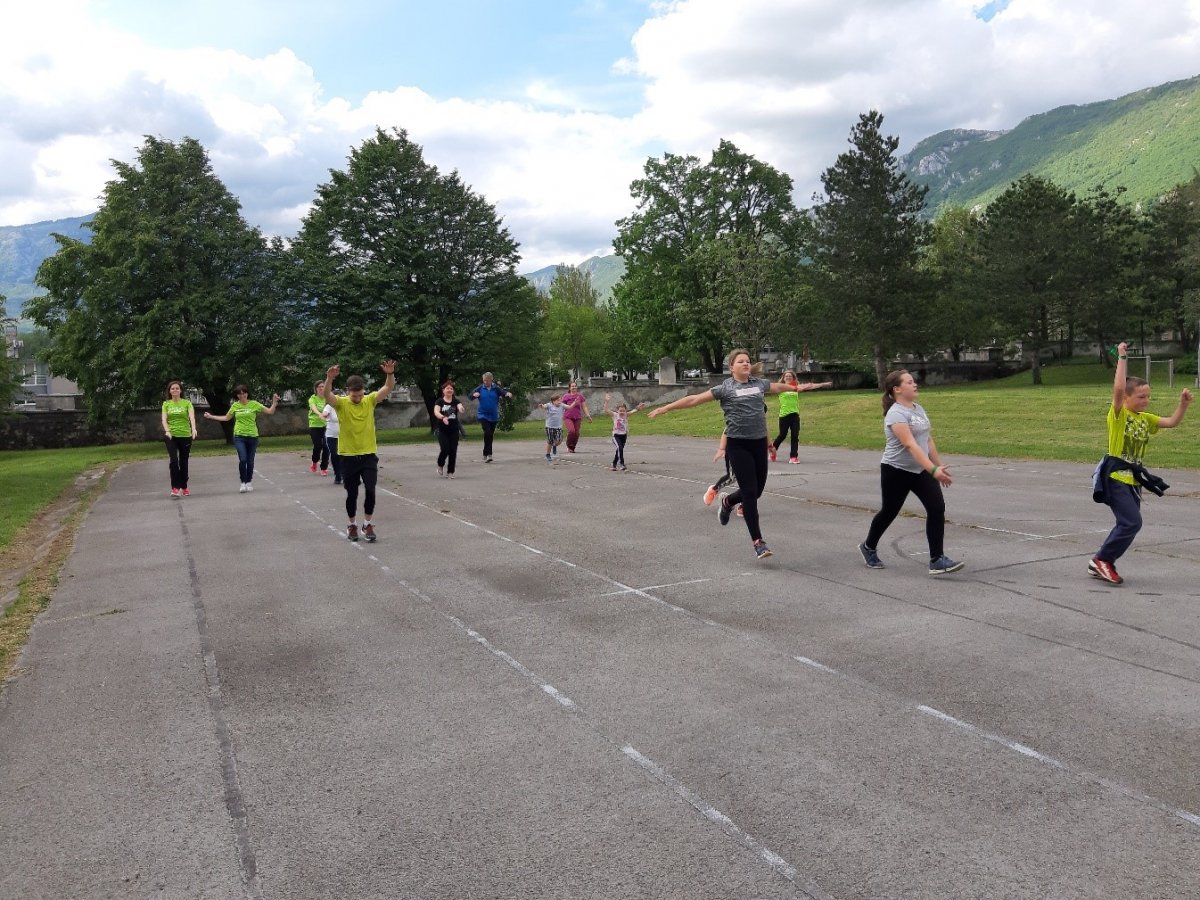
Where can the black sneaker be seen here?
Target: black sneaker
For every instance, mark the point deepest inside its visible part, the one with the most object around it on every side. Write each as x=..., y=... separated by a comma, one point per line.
x=487, y=459
x=724, y=510
x=352, y=532
x=944, y=565
x=870, y=557
x=761, y=550
x=369, y=533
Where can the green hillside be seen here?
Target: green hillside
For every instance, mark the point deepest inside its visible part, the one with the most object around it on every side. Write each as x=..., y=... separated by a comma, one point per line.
x=22, y=249
x=606, y=271
x=1146, y=142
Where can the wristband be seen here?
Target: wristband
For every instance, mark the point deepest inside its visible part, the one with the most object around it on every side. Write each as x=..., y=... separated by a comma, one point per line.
x=934, y=471
x=1122, y=357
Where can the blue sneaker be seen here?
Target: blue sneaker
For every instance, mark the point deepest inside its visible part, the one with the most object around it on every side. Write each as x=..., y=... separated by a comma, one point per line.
x=870, y=557
x=724, y=510
x=761, y=550
x=944, y=565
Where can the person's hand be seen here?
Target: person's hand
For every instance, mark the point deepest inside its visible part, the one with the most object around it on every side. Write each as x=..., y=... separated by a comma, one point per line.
x=1185, y=397
x=388, y=366
x=274, y=398
x=194, y=434
x=1122, y=349
x=333, y=371
x=657, y=411
x=589, y=417
x=475, y=396
x=642, y=405
x=943, y=476
x=607, y=397
x=720, y=452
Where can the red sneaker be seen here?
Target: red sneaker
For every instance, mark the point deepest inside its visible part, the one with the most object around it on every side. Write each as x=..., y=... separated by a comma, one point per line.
x=795, y=461
x=773, y=453
x=710, y=495
x=313, y=467
x=186, y=492
x=1104, y=570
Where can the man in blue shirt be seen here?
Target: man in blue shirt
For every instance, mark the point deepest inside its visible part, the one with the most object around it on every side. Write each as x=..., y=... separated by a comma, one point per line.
x=488, y=412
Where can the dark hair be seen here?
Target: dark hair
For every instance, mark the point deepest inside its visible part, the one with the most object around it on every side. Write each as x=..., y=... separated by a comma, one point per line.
x=355, y=383
x=240, y=389
x=1132, y=383
x=890, y=382
x=447, y=384
x=171, y=382
x=318, y=384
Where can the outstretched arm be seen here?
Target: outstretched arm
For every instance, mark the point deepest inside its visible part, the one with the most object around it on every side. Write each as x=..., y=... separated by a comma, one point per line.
x=1185, y=399
x=389, y=369
x=683, y=403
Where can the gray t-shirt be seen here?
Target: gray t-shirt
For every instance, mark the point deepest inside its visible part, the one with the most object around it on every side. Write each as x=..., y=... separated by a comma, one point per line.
x=895, y=453
x=744, y=405
x=554, y=415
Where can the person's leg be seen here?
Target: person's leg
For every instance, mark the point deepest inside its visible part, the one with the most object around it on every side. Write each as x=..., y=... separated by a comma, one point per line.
x=451, y=453
x=748, y=462
x=489, y=431
x=173, y=462
x=572, y=434
x=184, y=446
x=324, y=463
x=334, y=459
x=370, y=475
x=929, y=492
x=242, y=448
x=794, y=425
x=351, y=475
x=616, y=451
x=251, y=450
x=894, y=485
x=620, y=441
x=1126, y=505
x=316, y=435
x=443, y=450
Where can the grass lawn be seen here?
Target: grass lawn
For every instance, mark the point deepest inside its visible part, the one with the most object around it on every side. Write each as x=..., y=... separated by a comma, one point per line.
x=1061, y=419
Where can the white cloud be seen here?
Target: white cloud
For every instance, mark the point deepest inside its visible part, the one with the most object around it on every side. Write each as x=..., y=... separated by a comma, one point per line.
x=783, y=80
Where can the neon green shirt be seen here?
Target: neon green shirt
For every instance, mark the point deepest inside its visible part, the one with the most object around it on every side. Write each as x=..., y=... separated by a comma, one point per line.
x=179, y=420
x=245, y=418
x=1128, y=436
x=789, y=402
x=356, y=423
x=315, y=405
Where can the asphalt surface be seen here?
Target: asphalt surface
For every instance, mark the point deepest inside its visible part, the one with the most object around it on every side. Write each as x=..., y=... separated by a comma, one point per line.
x=560, y=681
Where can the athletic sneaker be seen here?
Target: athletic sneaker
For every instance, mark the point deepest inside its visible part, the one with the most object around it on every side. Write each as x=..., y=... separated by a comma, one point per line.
x=723, y=510
x=352, y=532
x=313, y=468
x=1104, y=570
x=186, y=492
x=773, y=452
x=337, y=481
x=624, y=468
x=612, y=468
x=795, y=461
x=710, y=495
x=944, y=565
x=739, y=512
x=487, y=459
x=761, y=550
x=249, y=487
x=870, y=557
x=450, y=475
x=441, y=471
x=175, y=493
x=324, y=472
x=548, y=459
x=242, y=489
x=368, y=532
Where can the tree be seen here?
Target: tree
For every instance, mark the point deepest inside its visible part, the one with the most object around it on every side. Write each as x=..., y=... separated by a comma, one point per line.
x=958, y=317
x=1172, y=260
x=1026, y=266
x=174, y=284
x=574, y=325
x=866, y=235
x=1106, y=298
x=396, y=260
x=695, y=227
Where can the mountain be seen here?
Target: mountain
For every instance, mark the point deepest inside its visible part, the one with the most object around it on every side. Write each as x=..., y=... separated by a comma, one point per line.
x=1146, y=142
x=606, y=271
x=22, y=249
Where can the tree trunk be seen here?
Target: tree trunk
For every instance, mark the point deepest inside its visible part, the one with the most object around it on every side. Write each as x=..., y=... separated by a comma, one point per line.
x=881, y=366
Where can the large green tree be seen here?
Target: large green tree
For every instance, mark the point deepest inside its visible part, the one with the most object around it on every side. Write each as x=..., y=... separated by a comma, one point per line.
x=957, y=317
x=866, y=237
x=174, y=284
x=574, y=330
x=397, y=260
x=1105, y=299
x=1172, y=260
x=696, y=227
x=1028, y=261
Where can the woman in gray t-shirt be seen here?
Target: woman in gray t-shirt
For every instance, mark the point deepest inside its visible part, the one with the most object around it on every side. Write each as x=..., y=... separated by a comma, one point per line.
x=742, y=398
x=910, y=464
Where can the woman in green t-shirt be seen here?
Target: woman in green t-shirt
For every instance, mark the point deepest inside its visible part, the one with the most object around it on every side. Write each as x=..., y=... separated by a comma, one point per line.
x=179, y=430
x=244, y=413
x=789, y=415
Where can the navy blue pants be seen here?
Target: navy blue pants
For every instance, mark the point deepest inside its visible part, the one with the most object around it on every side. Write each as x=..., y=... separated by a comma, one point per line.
x=1125, y=501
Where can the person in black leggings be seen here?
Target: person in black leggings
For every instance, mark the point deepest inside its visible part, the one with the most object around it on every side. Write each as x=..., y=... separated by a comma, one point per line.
x=742, y=399
x=910, y=464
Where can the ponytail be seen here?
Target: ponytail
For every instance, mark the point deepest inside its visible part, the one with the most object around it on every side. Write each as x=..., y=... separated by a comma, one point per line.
x=890, y=382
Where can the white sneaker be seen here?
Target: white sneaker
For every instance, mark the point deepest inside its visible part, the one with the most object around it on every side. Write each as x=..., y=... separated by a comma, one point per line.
x=242, y=487
x=249, y=487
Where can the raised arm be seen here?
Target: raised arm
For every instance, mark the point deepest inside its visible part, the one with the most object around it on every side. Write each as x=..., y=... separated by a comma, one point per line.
x=684, y=403
x=1120, y=375
x=1185, y=399
x=270, y=410
x=389, y=369
x=331, y=373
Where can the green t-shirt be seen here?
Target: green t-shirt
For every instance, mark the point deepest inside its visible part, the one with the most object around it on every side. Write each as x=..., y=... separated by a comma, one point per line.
x=315, y=405
x=356, y=424
x=1128, y=436
x=179, y=419
x=789, y=402
x=245, y=418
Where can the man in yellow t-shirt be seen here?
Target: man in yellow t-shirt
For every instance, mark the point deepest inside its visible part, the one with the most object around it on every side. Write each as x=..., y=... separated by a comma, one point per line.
x=1129, y=430
x=356, y=442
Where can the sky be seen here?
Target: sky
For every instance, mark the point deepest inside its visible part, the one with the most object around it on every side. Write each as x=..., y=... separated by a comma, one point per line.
x=547, y=108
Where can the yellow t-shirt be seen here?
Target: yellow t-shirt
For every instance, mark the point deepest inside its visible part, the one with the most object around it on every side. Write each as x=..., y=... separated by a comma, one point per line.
x=356, y=422
x=1128, y=436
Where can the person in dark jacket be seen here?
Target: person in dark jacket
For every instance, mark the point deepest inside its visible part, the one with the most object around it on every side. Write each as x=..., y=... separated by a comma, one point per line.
x=488, y=411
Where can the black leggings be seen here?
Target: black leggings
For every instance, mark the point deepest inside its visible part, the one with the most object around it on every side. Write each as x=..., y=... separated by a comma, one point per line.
x=789, y=424
x=320, y=448
x=747, y=459
x=895, y=485
x=448, y=449
x=619, y=451
x=179, y=449
x=489, y=430
x=364, y=467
